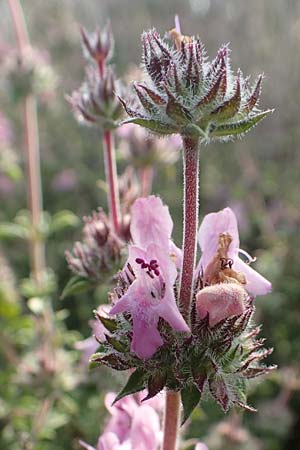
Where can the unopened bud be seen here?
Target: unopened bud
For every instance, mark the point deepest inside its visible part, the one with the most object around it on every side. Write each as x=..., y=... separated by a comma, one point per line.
x=221, y=301
x=100, y=252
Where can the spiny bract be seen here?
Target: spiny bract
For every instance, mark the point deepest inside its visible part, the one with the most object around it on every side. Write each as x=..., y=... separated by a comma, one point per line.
x=186, y=94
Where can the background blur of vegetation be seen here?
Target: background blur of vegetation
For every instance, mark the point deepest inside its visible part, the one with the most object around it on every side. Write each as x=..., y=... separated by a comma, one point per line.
x=258, y=177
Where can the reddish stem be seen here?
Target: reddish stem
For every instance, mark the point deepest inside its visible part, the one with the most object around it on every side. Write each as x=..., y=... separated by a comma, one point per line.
x=146, y=179
x=101, y=68
x=190, y=221
x=112, y=179
x=171, y=421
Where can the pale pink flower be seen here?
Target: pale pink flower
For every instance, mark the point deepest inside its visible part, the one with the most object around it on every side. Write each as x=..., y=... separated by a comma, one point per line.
x=151, y=222
x=89, y=345
x=132, y=425
x=122, y=413
x=211, y=227
x=150, y=297
x=145, y=430
x=201, y=446
x=221, y=301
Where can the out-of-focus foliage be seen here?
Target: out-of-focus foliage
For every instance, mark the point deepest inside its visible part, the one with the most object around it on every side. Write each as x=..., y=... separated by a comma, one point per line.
x=258, y=177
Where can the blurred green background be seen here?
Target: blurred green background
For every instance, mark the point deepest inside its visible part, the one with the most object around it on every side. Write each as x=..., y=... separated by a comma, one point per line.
x=258, y=177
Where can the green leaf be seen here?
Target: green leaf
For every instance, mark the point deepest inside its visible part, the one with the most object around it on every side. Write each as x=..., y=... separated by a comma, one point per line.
x=116, y=344
x=240, y=127
x=10, y=230
x=76, y=285
x=136, y=382
x=190, y=397
x=112, y=360
x=156, y=383
x=219, y=391
x=110, y=324
x=62, y=220
x=152, y=125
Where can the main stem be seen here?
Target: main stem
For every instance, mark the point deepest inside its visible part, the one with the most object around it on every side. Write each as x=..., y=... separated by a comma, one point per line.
x=190, y=226
x=171, y=420
x=112, y=179
x=190, y=222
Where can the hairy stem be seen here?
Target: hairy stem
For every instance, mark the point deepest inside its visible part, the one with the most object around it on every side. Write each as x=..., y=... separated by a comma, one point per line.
x=171, y=420
x=146, y=180
x=112, y=179
x=190, y=222
x=190, y=226
x=37, y=248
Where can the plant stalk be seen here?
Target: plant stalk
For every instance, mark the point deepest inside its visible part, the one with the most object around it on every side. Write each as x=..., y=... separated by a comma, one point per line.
x=190, y=222
x=190, y=227
x=171, y=420
x=146, y=180
x=37, y=247
x=113, y=196
x=112, y=179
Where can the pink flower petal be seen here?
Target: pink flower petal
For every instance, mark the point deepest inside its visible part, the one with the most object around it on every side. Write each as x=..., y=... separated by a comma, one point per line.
x=150, y=222
x=201, y=446
x=221, y=301
x=211, y=227
x=256, y=283
x=108, y=441
x=145, y=429
x=169, y=311
x=146, y=338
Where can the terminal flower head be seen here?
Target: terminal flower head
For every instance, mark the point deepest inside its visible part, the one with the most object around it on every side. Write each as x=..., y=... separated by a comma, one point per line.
x=187, y=94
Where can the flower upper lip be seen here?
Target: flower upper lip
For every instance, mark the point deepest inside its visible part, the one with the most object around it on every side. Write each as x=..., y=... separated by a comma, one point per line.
x=211, y=227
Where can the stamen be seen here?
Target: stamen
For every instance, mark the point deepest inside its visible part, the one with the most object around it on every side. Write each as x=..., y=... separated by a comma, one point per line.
x=151, y=267
x=250, y=259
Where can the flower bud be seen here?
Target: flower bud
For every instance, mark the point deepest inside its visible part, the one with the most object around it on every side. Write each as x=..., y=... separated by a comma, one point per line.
x=98, y=45
x=100, y=251
x=221, y=301
x=95, y=102
x=186, y=94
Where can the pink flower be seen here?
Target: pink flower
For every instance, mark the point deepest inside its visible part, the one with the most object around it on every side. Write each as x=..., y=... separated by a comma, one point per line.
x=122, y=414
x=211, y=227
x=89, y=345
x=145, y=430
x=132, y=426
x=150, y=297
x=151, y=222
x=221, y=301
x=201, y=446
x=153, y=260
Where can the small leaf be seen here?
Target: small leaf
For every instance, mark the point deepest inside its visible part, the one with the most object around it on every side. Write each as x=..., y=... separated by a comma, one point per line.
x=112, y=360
x=253, y=372
x=175, y=110
x=190, y=397
x=156, y=98
x=110, y=324
x=156, y=383
x=116, y=344
x=219, y=391
x=238, y=127
x=62, y=220
x=153, y=125
x=9, y=230
x=76, y=285
x=135, y=383
x=230, y=107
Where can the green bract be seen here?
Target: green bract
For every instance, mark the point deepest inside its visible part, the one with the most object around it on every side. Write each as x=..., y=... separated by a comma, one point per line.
x=186, y=94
